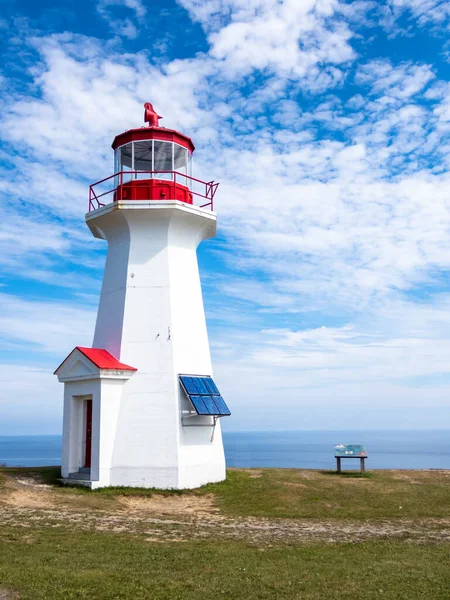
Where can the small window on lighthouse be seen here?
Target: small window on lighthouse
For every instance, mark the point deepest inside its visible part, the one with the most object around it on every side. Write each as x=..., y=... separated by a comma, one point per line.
x=189, y=169
x=126, y=157
x=180, y=159
x=143, y=156
x=163, y=159
x=124, y=160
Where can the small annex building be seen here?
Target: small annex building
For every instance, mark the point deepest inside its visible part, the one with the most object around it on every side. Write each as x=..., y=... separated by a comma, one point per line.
x=93, y=381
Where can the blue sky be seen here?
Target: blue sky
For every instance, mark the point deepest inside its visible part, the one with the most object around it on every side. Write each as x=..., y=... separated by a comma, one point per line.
x=327, y=123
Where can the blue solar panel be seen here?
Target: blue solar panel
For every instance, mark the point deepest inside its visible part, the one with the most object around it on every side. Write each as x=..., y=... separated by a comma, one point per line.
x=199, y=405
x=204, y=395
x=220, y=403
x=211, y=386
x=210, y=405
x=202, y=389
x=189, y=384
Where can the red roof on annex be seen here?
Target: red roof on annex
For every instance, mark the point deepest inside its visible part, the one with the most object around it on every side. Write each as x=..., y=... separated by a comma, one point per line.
x=101, y=358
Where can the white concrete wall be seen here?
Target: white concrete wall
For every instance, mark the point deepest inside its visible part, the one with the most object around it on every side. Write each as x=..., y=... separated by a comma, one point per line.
x=75, y=393
x=189, y=333
x=112, y=296
x=151, y=316
x=110, y=400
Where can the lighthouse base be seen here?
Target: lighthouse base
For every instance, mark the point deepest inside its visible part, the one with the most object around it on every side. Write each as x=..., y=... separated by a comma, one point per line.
x=164, y=479
x=167, y=479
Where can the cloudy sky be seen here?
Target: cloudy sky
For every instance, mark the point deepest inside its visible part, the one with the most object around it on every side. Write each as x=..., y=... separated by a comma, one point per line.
x=327, y=123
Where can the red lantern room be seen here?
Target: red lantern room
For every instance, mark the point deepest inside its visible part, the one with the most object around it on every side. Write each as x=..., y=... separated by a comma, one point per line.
x=152, y=163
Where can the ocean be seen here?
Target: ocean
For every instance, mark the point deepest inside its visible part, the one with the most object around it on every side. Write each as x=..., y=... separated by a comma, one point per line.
x=286, y=449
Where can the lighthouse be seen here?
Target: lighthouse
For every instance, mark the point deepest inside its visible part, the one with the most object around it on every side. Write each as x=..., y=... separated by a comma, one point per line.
x=141, y=407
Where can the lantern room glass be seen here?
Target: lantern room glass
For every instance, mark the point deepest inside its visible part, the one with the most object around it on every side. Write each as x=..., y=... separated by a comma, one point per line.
x=150, y=158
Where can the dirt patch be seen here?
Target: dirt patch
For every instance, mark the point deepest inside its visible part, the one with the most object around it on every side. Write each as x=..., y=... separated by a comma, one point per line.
x=30, y=482
x=255, y=474
x=407, y=478
x=170, y=505
x=295, y=485
x=445, y=472
x=307, y=475
x=252, y=473
x=163, y=541
x=8, y=594
x=28, y=493
x=25, y=499
x=181, y=527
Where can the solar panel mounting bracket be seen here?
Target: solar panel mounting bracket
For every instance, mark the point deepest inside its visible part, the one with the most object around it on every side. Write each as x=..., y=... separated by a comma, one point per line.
x=213, y=424
x=201, y=425
x=214, y=427
x=190, y=415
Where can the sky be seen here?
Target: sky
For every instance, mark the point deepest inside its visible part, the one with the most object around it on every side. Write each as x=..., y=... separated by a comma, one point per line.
x=327, y=288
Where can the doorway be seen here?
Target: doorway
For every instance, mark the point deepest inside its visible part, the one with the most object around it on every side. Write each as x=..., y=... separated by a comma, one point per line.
x=88, y=434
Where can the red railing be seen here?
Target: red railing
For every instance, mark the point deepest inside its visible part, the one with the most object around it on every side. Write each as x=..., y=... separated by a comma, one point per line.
x=197, y=187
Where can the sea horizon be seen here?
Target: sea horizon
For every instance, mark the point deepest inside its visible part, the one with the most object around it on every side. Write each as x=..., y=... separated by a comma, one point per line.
x=308, y=448
x=4, y=435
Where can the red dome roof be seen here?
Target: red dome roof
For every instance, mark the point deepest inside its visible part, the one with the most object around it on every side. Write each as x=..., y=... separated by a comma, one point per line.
x=153, y=133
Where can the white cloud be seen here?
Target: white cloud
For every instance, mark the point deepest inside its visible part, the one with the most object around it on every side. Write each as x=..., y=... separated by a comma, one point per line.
x=21, y=235
x=340, y=226
x=31, y=397
x=400, y=81
x=51, y=327
x=42, y=333
x=123, y=26
x=293, y=37
x=387, y=369
x=424, y=11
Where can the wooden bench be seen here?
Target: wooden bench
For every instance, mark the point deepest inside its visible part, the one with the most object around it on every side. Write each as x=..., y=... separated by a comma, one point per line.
x=350, y=451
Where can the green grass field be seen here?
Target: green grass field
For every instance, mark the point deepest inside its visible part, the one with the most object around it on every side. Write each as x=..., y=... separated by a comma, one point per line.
x=281, y=534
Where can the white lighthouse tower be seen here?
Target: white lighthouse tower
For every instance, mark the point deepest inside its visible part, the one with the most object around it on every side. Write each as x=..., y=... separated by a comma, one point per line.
x=141, y=408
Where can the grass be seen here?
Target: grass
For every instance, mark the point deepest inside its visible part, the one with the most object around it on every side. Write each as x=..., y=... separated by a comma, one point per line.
x=291, y=493
x=295, y=493
x=43, y=554
x=51, y=564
